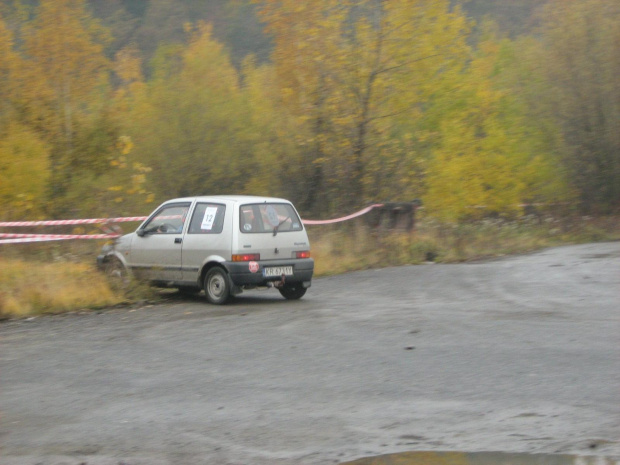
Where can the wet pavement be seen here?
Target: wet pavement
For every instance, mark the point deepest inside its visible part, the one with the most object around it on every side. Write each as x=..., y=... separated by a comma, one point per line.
x=520, y=355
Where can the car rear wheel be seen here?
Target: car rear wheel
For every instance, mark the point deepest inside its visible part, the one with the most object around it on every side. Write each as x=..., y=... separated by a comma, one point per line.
x=217, y=286
x=293, y=291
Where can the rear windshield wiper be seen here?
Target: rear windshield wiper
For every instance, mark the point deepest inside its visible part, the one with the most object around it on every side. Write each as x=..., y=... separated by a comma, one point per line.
x=275, y=230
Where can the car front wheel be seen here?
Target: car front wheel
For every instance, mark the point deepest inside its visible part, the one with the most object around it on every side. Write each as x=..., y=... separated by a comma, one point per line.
x=217, y=286
x=116, y=272
x=292, y=291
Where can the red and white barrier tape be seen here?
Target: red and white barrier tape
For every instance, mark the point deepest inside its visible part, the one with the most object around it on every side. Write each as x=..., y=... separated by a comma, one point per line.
x=344, y=218
x=28, y=240
x=6, y=238
x=9, y=238
x=13, y=224
x=57, y=236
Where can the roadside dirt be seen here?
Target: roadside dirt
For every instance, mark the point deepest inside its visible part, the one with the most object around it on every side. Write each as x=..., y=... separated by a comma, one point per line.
x=516, y=355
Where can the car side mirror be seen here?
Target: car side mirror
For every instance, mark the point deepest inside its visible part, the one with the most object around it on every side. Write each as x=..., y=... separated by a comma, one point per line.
x=141, y=232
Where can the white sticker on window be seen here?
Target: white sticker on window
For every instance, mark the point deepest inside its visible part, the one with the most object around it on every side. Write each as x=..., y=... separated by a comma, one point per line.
x=208, y=219
x=272, y=216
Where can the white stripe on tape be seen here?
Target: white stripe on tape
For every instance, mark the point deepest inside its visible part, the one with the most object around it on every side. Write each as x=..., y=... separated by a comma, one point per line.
x=13, y=224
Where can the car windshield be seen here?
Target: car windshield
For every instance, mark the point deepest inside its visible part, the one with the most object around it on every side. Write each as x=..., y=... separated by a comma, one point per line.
x=268, y=218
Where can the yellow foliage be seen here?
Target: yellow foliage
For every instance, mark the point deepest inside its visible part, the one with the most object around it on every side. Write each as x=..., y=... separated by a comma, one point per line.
x=66, y=47
x=486, y=160
x=24, y=172
x=10, y=64
x=349, y=74
x=124, y=145
x=127, y=66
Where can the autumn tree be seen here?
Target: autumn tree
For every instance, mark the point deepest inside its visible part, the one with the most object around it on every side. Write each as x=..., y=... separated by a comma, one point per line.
x=24, y=173
x=66, y=77
x=488, y=159
x=276, y=135
x=10, y=64
x=24, y=162
x=355, y=72
x=579, y=54
x=189, y=123
x=66, y=115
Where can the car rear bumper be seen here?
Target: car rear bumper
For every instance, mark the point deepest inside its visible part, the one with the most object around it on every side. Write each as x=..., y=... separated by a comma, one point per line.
x=242, y=273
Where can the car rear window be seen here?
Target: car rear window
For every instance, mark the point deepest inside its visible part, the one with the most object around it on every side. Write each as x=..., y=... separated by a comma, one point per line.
x=268, y=217
x=208, y=218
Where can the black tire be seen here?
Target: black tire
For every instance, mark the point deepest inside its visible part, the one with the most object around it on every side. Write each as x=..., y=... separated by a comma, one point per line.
x=217, y=286
x=293, y=291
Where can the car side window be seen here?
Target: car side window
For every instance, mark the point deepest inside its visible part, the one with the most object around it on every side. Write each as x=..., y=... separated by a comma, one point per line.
x=208, y=218
x=168, y=220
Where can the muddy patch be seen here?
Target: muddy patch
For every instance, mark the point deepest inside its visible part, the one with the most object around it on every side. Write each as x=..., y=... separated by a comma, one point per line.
x=482, y=458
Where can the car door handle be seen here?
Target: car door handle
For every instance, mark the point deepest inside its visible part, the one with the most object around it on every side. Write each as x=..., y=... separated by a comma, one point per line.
x=178, y=240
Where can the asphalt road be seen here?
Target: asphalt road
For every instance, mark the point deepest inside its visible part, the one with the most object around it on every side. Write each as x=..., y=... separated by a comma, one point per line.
x=518, y=355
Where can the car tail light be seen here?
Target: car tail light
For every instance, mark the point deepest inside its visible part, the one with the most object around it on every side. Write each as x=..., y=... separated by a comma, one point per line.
x=302, y=254
x=246, y=257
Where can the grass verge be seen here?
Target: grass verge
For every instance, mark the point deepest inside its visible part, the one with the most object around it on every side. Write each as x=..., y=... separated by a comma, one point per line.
x=37, y=281
x=32, y=288
x=349, y=248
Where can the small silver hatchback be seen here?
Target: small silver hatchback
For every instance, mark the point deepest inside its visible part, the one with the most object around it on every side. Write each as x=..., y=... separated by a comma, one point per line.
x=222, y=244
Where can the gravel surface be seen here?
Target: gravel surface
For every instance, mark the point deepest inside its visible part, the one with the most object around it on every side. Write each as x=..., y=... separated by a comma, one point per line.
x=520, y=354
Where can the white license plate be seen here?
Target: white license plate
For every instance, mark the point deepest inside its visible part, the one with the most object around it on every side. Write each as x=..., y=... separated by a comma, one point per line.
x=273, y=271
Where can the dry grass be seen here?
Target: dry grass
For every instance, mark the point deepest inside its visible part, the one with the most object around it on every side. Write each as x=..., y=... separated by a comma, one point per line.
x=353, y=248
x=33, y=288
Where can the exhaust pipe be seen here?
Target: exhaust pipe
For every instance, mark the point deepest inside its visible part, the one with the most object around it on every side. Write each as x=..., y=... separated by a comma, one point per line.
x=279, y=284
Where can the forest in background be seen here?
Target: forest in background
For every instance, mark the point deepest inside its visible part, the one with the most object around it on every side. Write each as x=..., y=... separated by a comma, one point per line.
x=107, y=108
x=149, y=23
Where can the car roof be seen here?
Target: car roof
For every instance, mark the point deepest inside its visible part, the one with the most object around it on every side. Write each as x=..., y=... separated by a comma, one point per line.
x=229, y=198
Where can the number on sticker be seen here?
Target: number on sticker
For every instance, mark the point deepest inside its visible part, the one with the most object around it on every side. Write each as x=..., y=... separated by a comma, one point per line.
x=209, y=218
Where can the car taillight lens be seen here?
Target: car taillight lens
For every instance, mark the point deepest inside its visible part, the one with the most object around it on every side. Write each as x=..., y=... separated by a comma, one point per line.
x=246, y=257
x=303, y=254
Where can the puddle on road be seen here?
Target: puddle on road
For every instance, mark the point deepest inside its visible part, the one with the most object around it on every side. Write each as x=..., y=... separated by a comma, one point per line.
x=481, y=458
